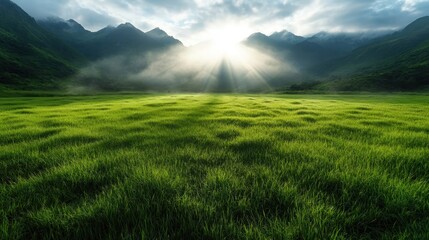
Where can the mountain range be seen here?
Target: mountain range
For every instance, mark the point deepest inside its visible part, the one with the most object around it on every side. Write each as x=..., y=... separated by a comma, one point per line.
x=45, y=53
x=109, y=41
x=304, y=52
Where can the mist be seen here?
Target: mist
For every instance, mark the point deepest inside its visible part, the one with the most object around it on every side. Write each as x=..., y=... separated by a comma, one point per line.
x=201, y=68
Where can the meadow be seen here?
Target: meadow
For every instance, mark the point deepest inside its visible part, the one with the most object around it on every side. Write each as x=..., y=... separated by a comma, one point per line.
x=214, y=166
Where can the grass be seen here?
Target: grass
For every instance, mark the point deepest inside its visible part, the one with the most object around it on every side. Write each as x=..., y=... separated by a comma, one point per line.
x=214, y=167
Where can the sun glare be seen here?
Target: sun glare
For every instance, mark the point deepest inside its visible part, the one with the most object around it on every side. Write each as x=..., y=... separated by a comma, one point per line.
x=226, y=40
x=223, y=60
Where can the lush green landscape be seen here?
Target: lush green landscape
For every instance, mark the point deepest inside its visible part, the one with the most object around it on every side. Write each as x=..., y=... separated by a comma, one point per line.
x=214, y=167
x=92, y=147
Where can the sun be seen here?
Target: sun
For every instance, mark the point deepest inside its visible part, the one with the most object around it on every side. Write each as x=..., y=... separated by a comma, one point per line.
x=224, y=61
x=225, y=45
x=226, y=40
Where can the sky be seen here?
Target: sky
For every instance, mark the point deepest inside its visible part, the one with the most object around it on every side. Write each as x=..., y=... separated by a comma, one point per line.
x=194, y=21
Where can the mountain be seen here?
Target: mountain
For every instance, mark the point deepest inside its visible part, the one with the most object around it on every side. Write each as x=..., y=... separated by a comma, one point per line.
x=157, y=33
x=399, y=61
x=286, y=37
x=343, y=43
x=69, y=31
x=29, y=54
x=44, y=53
x=392, y=46
x=296, y=50
x=162, y=37
x=306, y=53
x=259, y=39
x=125, y=40
x=110, y=41
x=356, y=61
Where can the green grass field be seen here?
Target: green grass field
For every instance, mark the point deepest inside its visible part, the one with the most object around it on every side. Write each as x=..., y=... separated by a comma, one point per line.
x=215, y=167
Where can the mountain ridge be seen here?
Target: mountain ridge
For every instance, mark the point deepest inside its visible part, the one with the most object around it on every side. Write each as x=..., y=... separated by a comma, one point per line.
x=398, y=61
x=111, y=41
x=30, y=54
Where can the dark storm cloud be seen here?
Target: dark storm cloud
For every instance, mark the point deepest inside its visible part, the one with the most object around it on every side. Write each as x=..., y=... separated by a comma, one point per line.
x=187, y=19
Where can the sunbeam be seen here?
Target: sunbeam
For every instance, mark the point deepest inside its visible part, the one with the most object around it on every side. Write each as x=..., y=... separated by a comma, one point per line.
x=232, y=66
x=221, y=64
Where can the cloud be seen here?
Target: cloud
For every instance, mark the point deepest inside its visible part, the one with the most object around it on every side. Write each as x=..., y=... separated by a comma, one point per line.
x=189, y=20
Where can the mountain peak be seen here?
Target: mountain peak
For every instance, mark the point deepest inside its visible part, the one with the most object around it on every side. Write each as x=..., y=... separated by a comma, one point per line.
x=284, y=32
x=287, y=36
x=73, y=22
x=258, y=35
x=157, y=33
x=75, y=25
x=70, y=26
x=126, y=25
x=257, y=38
x=127, y=28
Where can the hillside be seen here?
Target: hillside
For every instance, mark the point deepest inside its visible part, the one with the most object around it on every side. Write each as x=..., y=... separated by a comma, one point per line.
x=29, y=55
x=399, y=61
